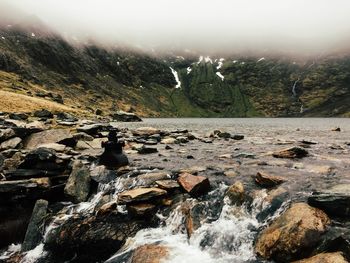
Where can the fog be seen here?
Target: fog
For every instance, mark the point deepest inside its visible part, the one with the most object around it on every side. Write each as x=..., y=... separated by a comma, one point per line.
x=302, y=26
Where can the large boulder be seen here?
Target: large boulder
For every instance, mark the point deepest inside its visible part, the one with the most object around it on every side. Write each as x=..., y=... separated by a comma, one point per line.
x=292, y=235
x=92, y=238
x=43, y=113
x=125, y=117
x=194, y=185
x=334, y=201
x=61, y=136
x=291, y=153
x=6, y=134
x=335, y=257
x=140, y=194
x=34, y=234
x=78, y=185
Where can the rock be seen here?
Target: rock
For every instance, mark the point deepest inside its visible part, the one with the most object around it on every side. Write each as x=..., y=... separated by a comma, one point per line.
x=193, y=169
x=34, y=232
x=230, y=173
x=147, y=150
x=2, y=160
x=150, y=178
x=236, y=194
x=337, y=129
x=182, y=139
x=334, y=201
x=18, y=116
x=335, y=257
x=107, y=208
x=35, y=126
x=150, y=254
x=12, y=143
x=194, y=185
x=98, y=112
x=6, y=134
x=91, y=238
x=145, y=131
x=64, y=116
x=54, y=146
x=245, y=155
x=60, y=136
x=292, y=235
x=168, y=140
x=294, y=152
x=220, y=134
x=17, y=186
x=274, y=198
x=43, y=113
x=140, y=194
x=266, y=180
x=82, y=136
x=102, y=175
x=94, y=129
x=237, y=137
x=141, y=210
x=125, y=117
x=78, y=185
x=168, y=184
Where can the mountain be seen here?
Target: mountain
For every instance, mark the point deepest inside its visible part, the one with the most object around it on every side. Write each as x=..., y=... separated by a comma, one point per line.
x=36, y=62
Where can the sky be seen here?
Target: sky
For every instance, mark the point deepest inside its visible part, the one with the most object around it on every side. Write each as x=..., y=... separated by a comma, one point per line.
x=304, y=26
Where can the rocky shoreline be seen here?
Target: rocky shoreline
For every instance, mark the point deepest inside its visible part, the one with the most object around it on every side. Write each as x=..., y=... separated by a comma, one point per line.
x=58, y=199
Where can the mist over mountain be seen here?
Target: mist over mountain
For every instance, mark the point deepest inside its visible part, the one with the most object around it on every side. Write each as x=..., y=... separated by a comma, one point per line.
x=290, y=27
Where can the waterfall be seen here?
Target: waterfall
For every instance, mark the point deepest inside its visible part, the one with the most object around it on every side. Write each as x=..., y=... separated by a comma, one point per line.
x=294, y=87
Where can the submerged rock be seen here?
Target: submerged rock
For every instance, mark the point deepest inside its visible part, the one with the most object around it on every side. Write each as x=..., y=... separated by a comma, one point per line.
x=292, y=235
x=194, y=185
x=335, y=257
x=266, y=180
x=150, y=254
x=294, y=152
x=334, y=201
x=34, y=234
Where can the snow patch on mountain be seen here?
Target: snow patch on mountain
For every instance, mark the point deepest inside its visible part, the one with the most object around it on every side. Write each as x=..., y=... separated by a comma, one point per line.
x=261, y=59
x=208, y=59
x=189, y=70
x=176, y=76
x=220, y=63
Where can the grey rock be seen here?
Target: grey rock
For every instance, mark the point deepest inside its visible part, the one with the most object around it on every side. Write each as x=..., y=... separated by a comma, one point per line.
x=12, y=143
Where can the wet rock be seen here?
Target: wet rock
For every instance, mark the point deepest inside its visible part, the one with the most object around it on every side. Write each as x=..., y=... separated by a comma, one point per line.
x=245, y=155
x=294, y=152
x=2, y=159
x=60, y=136
x=193, y=169
x=126, y=117
x=94, y=129
x=140, y=194
x=230, y=173
x=33, y=235
x=274, y=198
x=337, y=129
x=6, y=134
x=141, y=210
x=107, y=208
x=267, y=180
x=307, y=142
x=334, y=201
x=335, y=257
x=168, y=184
x=92, y=238
x=150, y=254
x=194, y=185
x=169, y=140
x=102, y=175
x=220, y=134
x=145, y=131
x=43, y=113
x=150, y=178
x=237, y=137
x=12, y=143
x=292, y=235
x=78, y=185
x=147, y=150
x=236, y=194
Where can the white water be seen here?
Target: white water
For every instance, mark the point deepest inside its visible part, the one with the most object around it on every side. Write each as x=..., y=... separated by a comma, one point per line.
x=228, y=239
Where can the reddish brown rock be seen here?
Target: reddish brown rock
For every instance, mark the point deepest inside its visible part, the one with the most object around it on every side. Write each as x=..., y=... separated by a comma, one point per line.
x=194, y=185
x=336, y=257
x=150, y=254
x=140, y=194
x=140, y=210
x=291, y=153
x=266, y=180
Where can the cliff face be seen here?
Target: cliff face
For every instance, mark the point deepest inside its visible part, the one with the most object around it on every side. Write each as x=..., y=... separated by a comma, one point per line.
x=90, y=77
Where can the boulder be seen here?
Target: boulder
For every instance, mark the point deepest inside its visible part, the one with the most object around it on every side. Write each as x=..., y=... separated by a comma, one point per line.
x=237, y=137
x=18, y=116
x=266, y=180
x=92, y=238
x=140, y=194
x=145, y=131
x=147, y=150
x=194, y=185
x=150, y=254
x=12, y=143
x=292, y=153
x=151, y=178
x=168, y=184
x=141, y=210
x=168, y=140
x=17, y=186
x=94, y=129
x=34, y=232
x=61, y=136
x=125, y=117
x=78, y=185
x=6, y=134
x=335, y=257
x=236, y=194
x=64, y=116
x=334, y=201
x=43, y=113
x=292, y=235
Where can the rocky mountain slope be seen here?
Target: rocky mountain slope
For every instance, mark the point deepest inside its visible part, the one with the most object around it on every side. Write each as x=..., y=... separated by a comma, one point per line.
x=35, y=62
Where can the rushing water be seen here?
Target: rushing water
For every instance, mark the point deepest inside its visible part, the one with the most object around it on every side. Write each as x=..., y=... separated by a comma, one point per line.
x=228, y=231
